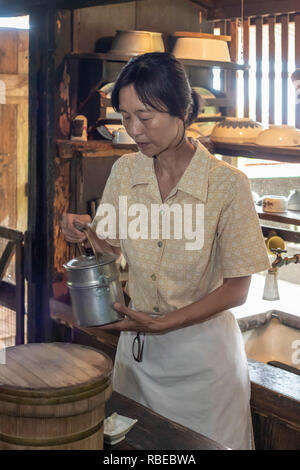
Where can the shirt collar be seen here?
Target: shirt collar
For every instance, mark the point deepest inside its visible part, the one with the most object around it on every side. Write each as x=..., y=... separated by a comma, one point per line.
x=194, y=181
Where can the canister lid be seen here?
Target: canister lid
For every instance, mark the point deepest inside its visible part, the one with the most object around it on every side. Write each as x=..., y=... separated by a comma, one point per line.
x=86, y=261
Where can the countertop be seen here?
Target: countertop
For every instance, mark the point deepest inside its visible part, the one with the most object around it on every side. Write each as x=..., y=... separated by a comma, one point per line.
x=153, y=431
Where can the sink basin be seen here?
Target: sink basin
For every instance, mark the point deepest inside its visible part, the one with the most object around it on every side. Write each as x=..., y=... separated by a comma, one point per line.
x=273, y=338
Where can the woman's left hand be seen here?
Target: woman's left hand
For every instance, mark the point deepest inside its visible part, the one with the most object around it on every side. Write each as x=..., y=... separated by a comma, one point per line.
x=136, y=321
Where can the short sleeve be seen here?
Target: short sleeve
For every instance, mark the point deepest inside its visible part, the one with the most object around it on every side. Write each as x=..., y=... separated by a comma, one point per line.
x=109, y=209
x=241, y=243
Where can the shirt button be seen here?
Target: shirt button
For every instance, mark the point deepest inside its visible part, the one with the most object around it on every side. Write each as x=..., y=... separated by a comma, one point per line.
x=160, y=244
x=156, y=309
x=153, y=277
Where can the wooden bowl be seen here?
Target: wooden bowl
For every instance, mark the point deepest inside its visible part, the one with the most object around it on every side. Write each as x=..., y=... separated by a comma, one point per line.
x=136, y=42
x=236, y=130
x=279, y=136
x=201, y=49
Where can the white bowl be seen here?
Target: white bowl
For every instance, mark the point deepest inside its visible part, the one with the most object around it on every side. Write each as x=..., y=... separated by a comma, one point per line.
x=236, y=130
x=136, y=42
x=279, y=136
x=201, y=49
x=275, y=204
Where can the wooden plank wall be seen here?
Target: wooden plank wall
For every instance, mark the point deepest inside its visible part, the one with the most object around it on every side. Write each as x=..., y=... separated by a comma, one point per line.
x=13, y=130
x=164, y=16
x=259, y=22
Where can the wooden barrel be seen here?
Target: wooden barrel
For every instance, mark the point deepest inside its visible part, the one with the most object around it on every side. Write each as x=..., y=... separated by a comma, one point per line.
x=52, y=396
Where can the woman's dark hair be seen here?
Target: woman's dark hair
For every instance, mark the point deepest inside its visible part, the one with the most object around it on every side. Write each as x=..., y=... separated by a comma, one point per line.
x=160, y=81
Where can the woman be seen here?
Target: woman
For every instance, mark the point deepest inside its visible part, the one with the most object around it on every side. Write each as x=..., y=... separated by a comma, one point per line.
x=180, y=352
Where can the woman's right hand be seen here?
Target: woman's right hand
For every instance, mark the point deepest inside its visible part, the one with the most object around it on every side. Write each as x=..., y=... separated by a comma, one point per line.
x=70, y=232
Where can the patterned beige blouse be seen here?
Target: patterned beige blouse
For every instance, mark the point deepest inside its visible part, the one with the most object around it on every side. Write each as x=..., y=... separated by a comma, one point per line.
x=163, y=274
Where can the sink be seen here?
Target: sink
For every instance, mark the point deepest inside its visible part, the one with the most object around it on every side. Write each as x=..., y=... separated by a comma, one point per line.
x=273, y=338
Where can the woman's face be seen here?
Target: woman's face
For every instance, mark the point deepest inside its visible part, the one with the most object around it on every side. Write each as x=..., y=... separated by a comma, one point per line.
x=153, y=131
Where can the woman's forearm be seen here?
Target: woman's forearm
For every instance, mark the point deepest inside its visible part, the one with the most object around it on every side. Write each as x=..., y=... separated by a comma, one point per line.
x=232, y=293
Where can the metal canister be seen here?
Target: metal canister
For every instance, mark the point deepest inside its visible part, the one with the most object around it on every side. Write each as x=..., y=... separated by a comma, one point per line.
x=94, y=286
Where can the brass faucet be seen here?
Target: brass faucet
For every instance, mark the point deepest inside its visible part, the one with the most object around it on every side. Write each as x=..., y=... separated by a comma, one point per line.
x=279, y=261
x=271, y=284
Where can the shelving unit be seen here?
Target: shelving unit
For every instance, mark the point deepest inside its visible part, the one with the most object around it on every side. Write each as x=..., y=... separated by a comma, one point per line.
x=223, y=102
x=283, y=154
x=289, y=217
x=280, y=154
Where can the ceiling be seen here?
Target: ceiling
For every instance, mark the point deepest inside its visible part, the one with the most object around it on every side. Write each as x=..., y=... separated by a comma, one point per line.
x=215, y=9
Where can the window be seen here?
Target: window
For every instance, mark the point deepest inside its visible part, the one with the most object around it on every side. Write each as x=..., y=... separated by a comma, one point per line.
x=19, y=22
x=255, y=168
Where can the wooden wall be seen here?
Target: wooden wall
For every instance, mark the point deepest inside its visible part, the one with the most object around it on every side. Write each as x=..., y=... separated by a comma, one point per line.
x=164, y=16
x=13, y=128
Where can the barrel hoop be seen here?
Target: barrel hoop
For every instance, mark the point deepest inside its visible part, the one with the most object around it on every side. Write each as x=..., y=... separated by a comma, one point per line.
x=54, y=441
x=51, y=393
x=42, y=393
x=55, y=400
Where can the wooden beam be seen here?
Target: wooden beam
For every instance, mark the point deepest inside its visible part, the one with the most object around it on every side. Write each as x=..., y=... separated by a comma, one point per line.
x=231, y=75
x=258, y=24
x=232, y=9
x=20, y=293
x=23, y=7
x=206, y=4
x=10, y=234
x=284, y=65
x=246, y=47
x=38, y=243
x=271, y=22
x=297, y=59
x=223, y=28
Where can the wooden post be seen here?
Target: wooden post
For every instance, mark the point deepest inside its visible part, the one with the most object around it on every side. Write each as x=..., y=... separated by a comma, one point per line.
x=246, y=44
x=258, y=24
x=223, y=30
x=231, y=74
x=284, y=65
x=271, y=22
x=297, y=57
x=39, y=239
x=20, y=293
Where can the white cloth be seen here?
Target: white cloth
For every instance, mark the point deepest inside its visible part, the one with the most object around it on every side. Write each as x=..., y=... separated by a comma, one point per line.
x=196, y=376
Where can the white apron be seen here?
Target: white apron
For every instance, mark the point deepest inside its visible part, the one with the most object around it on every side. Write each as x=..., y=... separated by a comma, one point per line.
x=196, y=376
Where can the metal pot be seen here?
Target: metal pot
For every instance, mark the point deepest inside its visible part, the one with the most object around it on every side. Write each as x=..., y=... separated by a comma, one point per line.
x=94, y=286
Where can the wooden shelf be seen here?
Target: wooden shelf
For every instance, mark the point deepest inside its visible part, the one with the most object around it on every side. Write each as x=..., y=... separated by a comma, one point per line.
x=289, y=217
x=207, y=64
x=280, y=154
x=91, y=148
x=209, y=118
